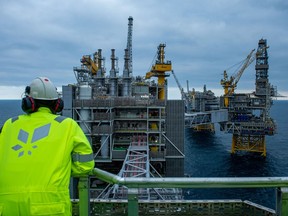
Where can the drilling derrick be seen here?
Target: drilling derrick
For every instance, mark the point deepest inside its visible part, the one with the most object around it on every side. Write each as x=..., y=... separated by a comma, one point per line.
x=159, y=70
x=248, y=114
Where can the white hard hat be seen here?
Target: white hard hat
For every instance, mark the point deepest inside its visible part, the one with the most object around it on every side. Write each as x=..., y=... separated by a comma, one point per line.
x=43, y=89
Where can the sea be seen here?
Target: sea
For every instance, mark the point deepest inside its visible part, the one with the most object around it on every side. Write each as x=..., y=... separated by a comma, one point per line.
x=208, y=155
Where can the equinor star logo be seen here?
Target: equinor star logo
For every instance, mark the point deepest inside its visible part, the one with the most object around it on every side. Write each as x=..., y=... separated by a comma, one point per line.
x=28, y=144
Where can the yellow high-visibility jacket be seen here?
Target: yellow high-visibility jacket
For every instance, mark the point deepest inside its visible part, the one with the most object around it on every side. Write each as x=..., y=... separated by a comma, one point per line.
x=38, y=154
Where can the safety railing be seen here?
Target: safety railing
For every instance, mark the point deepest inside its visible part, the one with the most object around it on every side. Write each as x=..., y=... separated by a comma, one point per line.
x=281, y=183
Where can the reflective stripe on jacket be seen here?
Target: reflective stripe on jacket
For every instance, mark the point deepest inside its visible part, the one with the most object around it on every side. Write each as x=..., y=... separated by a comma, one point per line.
x=38, y=154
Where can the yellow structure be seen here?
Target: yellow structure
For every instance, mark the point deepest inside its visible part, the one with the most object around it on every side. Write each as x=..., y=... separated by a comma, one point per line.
x=90, y=63
x=204, y=128
x=249, y=143
x=230, y=84
x=159, y=70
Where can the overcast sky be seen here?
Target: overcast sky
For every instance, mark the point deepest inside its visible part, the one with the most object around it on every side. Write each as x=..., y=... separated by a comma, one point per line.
x=202, y=37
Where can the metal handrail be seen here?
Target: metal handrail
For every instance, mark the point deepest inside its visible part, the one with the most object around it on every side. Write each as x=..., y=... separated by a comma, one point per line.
x=188, y=182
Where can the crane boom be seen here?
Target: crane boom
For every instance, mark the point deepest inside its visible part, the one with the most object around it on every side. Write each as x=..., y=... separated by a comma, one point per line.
x=90, y=63
x=183, y=95
x=230, y=84
x=247, y=62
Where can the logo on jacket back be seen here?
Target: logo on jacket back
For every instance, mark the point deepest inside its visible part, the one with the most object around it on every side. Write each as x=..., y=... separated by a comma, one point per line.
x=26, y=146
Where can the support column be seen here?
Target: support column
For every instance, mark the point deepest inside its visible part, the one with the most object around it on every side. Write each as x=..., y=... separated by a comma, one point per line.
x=133, y=208
x=234, y=140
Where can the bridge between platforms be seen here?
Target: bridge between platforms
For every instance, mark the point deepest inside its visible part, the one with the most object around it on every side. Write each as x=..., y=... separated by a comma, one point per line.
x=209, y=117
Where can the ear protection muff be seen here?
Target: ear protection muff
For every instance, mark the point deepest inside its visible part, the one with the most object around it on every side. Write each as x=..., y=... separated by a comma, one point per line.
x=28, y=103
x=59, y=105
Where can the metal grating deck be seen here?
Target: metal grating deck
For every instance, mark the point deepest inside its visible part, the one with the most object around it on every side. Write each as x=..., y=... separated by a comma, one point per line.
x=177, y=207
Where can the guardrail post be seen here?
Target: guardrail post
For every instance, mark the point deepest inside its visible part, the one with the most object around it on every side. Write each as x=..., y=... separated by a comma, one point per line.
x=133, y=202
x=282, y=201
x=84, y=196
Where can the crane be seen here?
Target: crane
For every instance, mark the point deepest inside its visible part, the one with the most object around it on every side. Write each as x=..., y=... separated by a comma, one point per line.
x=230, y=84
x=159, y=70
x=183, y=94
x=90, y=63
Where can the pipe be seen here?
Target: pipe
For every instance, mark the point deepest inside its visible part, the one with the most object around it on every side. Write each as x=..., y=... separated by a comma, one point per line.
x=184, y=182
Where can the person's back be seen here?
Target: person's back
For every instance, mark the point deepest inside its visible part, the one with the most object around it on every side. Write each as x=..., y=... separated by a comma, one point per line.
x=38, y=152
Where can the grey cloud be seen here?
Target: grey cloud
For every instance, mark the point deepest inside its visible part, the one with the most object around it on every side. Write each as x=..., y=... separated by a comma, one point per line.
x=203, y=38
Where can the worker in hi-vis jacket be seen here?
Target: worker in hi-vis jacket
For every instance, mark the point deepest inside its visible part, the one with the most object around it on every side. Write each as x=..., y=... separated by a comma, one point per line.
x=39, y=151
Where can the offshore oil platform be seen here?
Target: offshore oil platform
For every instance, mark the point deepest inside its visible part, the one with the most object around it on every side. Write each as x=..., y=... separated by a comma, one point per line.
x=244, y=115
x=132, y=127
x=137, y=133
x=197, y=106
x=249, y=114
